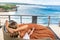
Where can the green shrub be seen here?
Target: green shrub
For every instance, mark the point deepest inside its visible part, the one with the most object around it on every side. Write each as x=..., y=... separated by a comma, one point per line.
x=7, y=6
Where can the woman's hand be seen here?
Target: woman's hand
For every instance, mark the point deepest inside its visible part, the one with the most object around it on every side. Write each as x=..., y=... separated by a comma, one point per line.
x=11, y=30
x=7, y=23
x=31, y=31
x=21, y=28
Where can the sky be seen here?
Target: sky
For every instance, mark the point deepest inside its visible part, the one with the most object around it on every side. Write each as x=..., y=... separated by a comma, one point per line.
x=44, y=2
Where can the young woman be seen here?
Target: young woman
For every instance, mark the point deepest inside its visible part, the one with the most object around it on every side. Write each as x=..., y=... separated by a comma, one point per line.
x=11, y=26
x=35, y=31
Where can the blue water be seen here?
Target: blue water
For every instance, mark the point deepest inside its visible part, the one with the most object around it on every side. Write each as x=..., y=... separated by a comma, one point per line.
x=46, y=10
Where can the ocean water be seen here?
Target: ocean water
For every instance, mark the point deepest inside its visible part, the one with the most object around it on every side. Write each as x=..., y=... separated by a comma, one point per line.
x=43, y=10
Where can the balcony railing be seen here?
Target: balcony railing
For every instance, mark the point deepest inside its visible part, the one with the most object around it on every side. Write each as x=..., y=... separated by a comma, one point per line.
x=31, y=19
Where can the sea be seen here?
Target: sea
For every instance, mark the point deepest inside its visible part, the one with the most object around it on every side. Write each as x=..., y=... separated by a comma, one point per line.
x=42, y=10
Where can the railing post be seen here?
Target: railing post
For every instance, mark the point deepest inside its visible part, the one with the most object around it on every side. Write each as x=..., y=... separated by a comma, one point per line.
x=48, y=21
x=9, y=17
x=21, y=19
x=34, y=19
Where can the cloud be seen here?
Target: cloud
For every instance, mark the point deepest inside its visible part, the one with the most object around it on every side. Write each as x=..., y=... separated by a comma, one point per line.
x=44, y=2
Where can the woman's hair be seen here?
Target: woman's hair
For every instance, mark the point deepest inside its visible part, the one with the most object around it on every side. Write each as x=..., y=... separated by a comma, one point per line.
x=12, y=24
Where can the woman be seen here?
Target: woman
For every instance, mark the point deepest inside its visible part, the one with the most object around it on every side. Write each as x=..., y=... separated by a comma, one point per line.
x=11, y=26
x=35, y=31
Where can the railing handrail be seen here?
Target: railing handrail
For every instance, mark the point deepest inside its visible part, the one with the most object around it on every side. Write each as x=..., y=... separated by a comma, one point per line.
x=31, y=15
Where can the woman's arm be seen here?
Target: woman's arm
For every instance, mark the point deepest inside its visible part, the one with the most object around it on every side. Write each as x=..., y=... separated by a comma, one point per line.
x=8, y=29
x=31, y=31
x=7, y=24
x=21, y=28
